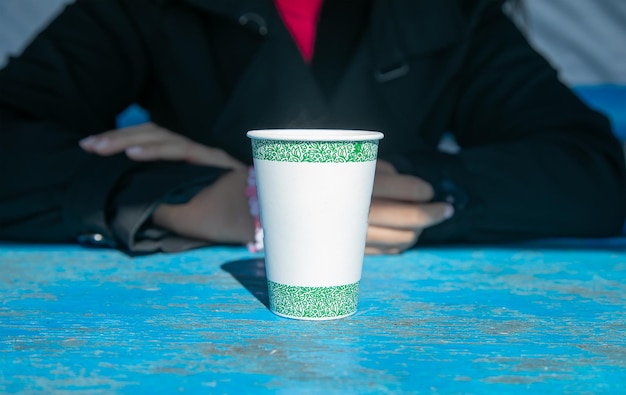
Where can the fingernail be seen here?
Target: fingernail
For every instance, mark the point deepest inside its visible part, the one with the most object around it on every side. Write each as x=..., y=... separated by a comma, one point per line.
x=103, y=143
x=87, y=141
x=449, y=211
x=136, y=150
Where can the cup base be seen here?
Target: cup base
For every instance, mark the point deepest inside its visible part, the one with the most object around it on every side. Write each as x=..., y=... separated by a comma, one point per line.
x=313, y=318
x=313, y=303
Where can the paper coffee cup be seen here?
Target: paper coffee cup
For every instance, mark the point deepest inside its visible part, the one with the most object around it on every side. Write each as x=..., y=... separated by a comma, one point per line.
x=314, y=188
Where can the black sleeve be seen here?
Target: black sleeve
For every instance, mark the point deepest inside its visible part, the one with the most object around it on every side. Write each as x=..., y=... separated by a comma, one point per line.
x=534, y=161
x=72, y=81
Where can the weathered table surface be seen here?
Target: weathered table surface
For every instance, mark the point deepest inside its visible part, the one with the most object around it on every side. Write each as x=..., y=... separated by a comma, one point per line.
x=546, y=318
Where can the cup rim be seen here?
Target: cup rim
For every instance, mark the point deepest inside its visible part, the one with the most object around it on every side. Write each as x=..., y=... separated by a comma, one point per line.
x=295, y=134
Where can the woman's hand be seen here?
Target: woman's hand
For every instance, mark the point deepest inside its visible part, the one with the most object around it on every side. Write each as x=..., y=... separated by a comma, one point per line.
x=218, y=213
x=400, y=211
x=150, y=142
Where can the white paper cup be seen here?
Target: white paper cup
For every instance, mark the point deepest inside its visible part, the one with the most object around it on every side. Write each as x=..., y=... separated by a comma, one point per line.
x=315, y=188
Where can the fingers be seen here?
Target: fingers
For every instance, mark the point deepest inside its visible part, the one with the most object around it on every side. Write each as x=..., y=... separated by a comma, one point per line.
x=149, y=142
x=396, y=219
x=189, y=152
x=395, y=226
x=399, y=215
x=200, y=154
x=118, y=140
x=385, y=167
x=401, y=187
x=382, y=240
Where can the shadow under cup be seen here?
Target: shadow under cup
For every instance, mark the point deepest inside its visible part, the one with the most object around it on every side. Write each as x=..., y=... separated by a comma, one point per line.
x=314, y=188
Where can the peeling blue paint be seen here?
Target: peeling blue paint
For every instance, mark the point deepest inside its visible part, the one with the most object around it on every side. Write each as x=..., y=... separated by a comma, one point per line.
x=547, y=319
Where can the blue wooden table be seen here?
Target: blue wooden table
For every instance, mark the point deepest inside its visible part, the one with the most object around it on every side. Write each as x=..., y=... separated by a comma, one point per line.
x=542, y=317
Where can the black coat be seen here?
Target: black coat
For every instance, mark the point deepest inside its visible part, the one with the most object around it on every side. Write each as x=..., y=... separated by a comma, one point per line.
x=534, y=160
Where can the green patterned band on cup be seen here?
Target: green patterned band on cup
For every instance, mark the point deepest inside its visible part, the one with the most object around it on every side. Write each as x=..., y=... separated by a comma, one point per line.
x=313, y=302
x=315, y=151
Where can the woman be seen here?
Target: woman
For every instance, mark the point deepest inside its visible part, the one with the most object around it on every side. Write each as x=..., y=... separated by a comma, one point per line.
x=534, y=160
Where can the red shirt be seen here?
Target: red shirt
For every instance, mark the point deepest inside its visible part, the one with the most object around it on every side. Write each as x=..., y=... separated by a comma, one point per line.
x=300, y=17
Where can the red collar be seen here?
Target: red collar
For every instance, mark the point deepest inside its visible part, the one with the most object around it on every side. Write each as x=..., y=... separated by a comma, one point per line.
x=300, y=17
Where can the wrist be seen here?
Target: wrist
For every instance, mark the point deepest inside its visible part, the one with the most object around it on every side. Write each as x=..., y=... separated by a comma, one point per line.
x=164, y=215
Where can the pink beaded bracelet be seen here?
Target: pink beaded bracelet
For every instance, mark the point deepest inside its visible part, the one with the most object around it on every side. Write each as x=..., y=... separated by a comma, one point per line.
x=253, y=205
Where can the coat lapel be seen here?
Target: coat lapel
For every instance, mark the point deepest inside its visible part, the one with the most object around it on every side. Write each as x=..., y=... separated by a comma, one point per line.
x=277, y=90
x=399, y=72
x=416, y=47
x=408, y=54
